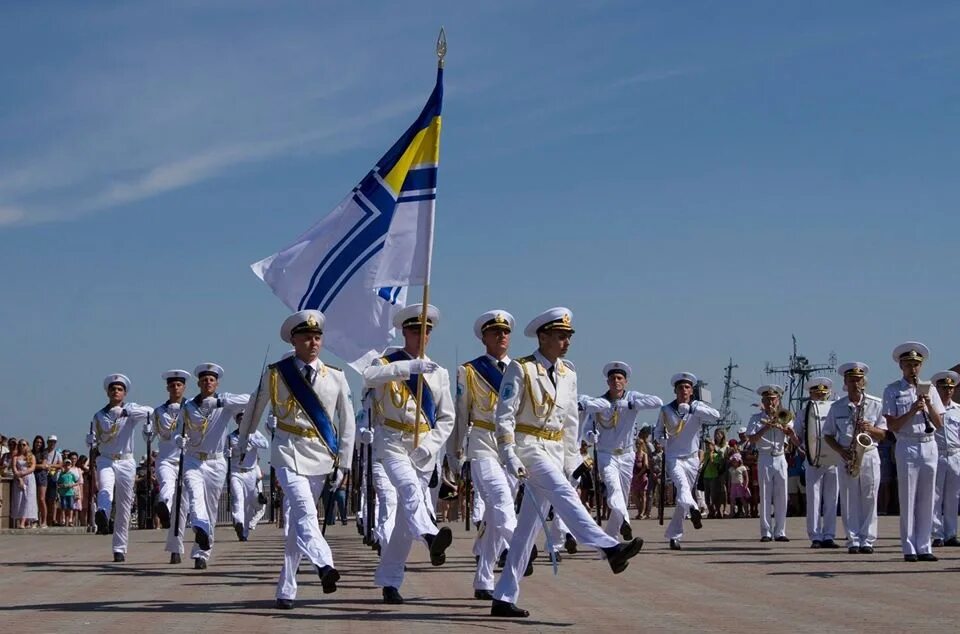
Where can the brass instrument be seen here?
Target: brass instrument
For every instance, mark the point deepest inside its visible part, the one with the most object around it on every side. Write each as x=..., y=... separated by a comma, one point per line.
x=780, y=420
x=860, y=444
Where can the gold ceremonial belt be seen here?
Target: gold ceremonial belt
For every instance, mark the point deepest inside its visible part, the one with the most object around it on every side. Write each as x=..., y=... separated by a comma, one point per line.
x=539, y=432
x=298, y=431
x=204, y=456
x=120, y=456
x=482, y=424
x=406, y=428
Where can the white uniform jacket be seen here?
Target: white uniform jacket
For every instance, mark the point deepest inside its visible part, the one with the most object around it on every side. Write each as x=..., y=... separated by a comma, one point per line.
x=477, y=399
x=114, y=436
x=615, y=419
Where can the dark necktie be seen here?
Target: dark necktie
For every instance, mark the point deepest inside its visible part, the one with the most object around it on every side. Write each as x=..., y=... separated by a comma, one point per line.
x=500, y=366
x=308, y=374
x=552, y=375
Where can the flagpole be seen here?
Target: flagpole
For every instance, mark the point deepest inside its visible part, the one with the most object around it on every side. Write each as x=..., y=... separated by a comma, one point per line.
x=441, y=53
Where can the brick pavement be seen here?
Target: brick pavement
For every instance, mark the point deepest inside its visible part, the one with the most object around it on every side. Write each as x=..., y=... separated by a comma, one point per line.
x=723, y=580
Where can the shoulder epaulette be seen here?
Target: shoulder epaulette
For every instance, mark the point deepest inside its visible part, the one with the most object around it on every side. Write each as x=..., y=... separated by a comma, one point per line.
x=527, y=359
x=333, y=367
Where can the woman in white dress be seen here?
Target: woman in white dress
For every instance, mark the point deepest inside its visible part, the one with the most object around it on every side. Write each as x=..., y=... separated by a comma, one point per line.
x=24, y=488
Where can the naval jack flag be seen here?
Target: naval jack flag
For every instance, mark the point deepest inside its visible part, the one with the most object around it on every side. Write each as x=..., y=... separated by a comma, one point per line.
x=356, y=263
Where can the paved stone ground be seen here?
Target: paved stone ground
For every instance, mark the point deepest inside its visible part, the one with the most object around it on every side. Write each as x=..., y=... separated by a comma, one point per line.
x=723, y=580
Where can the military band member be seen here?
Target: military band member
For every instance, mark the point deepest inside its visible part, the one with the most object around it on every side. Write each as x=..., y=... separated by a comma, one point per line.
x=770, y=431
x=614, y=415
x=244, y=477
x=112, y=432
x=823, y=484
x=206, y=419
x=313, y=439
x=536, y=419
x=946, y=499
x=478, y=389
x=678, y=427
x=394, y=379
x=859, y=467
x=913, y=417
x=165, y=425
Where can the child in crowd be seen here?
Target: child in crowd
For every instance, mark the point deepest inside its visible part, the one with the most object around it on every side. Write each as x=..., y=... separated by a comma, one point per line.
x=67, y=490
x=739, y=485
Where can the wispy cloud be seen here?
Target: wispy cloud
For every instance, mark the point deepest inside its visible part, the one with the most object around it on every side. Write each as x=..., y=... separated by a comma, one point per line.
x=10, y=216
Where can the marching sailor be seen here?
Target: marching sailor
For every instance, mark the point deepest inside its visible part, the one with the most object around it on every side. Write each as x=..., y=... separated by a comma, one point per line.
x=112, y=432
x=614, y=415
x=536, y=419
x=165, y=424
x=408, y=452
x=679, y=426
x=859, y=471
x=206, y=418
x=384, y=492
x=913, y=413
x=770, y=430
x=821, y=470
x=308, y=446
x=948, y=464
x=244, y=478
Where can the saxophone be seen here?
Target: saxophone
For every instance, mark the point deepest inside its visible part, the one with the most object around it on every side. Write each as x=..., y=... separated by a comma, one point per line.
x=861, y=441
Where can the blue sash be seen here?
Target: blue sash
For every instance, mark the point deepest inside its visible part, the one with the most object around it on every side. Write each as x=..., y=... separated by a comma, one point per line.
x=428, y=405
x=488, y=371
x=308, y=401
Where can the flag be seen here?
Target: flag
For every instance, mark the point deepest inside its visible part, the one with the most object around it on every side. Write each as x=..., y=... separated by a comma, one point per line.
x=356, y=263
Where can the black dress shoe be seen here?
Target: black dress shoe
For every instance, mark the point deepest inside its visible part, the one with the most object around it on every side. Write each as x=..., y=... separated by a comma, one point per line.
x=829, y=543
x=508, y=610
x=782, y=538
x=619, y=556
x=626, y=531
x=557, y=557
x=766, y=538
x=199, y=564
x=816, y=544
x=201, y=538
x=534, y=553
x=360, y=532
x=675, y=545
x=162, y=513
x=483, y=595
x=328, y=579
x=927, y=557
x=853, y=550
x=238, y=527
x=439, y=544
x=100, y=519
x=175, y=558
x=952, y=542
x=502, y=561
x=284, y=604
x=910, y=558
x=392, y=596
x=937, y=543
x=569, y=544
x=866, y=550
x=118, y=558
x=696, y=517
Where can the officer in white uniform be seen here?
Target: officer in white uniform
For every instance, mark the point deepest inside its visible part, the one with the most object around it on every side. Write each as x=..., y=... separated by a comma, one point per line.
x=854, y=414
x=823, y=484
x=536, y=419
x=770, y=438
x=946, y=499
x=165, y=424
x=914, y=417
x=313, y=440
x=206, y=419
x=678, y=427
x=614, y=415
x=244, y=476
x=409, y=452
x=112, y=432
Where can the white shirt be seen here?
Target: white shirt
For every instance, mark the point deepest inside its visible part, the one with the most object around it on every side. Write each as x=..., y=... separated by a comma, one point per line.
x=614, y=420
x=687, y=440
x=207, y=430
x=255, y=442
x=166, y=423
x=114, y=433
x=772, y=440
x=898, y=398
x=948, y=436
x=841, y=418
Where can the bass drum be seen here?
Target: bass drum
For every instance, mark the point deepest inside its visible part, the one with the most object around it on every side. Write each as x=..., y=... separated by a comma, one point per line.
x=819, y=453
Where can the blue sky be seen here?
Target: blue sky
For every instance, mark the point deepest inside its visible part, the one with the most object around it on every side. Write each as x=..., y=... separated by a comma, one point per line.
x=696, y=181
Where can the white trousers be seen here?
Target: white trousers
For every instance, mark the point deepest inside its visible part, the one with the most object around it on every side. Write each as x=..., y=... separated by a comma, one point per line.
x=413, y=519
x=243, y=499
x=823, y=488
x=916, y=476
x=946, y=497
x=616, y=472
x=167, y=478
x=386, y=505
x=499, y=518
x=203, y=480
x=478, y=508
x=772, y=473
x=859, y=506
x=118, y=474
x=175, y=542
x=545, y=485
x=304, y=538
x=683, y=473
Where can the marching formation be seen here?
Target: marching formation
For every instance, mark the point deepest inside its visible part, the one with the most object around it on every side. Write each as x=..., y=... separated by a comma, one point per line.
x=519, y=429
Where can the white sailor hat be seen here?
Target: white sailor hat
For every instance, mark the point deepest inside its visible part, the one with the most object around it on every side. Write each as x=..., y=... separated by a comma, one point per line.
x=116, y=378
x=742, y=430
x=175, y=375
x=910, y=350
x=948, y=378
x=303, y=321
x=689, y=377
x=558, y=318
x=617, y=366
x=208, y=368
x=770, y=388
x=854, y=368
x=288, y=354
x=409, y=316
x=820, y=383
x=493, y=319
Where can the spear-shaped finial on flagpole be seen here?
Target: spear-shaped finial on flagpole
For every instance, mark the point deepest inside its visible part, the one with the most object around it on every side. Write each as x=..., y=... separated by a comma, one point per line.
x=441, y=47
